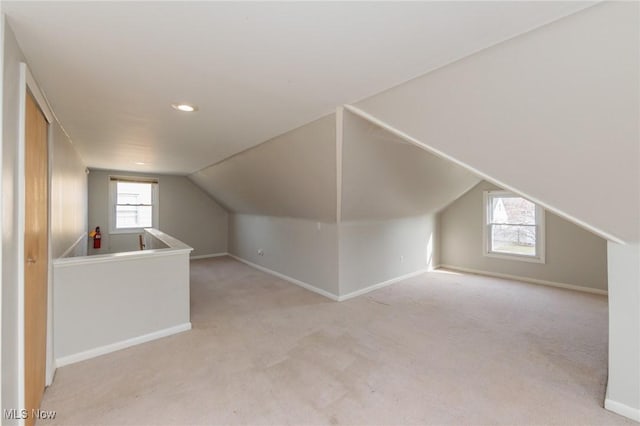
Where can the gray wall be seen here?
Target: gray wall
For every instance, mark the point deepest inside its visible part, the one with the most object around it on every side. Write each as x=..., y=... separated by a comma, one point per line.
x=281, y=191
x=299, y=248
x=573, y=255
x=292, y=175
x=372, y=252
x=10, y=128
x=391, y=190
x=624, y=330
x=115, y=305
x=185, y=212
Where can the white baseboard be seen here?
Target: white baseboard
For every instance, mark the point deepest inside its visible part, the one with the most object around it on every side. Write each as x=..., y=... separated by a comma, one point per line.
x=622, y=409
x=380, y=285
x=287, y=278
x=529, y=280
x=102, y=350
x=207, y=256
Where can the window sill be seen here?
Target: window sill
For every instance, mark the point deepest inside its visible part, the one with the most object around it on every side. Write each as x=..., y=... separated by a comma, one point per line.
x=127, y=231
x=516, y=257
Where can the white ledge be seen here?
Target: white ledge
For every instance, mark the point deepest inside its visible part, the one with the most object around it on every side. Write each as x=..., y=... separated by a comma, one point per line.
x=175, y=247
x=170, y=241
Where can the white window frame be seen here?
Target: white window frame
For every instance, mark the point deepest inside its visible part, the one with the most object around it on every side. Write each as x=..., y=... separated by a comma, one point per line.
x=113, y=198
x=540, y=231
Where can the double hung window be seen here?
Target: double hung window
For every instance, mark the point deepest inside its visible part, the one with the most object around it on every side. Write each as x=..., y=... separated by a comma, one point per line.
x=134, y=204
x=514, y=227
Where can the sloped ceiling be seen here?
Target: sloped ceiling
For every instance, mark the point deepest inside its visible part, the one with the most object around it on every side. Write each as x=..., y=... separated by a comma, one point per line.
x=292, y=175
x=256, y=69
x=552, y=114
x=384, y=177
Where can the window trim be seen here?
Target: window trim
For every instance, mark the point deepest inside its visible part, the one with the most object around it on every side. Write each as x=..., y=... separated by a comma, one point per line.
x=113, y=197
x=540, y=231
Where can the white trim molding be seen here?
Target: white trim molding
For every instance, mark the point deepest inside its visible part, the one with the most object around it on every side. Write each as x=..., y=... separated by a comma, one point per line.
x=622, y=409
x=325, y=293
x=37, y=93
x=102, y=350
x=207, y=256
x=381, y=285
x=525, y=279
x=27, y=84
x=299, y=283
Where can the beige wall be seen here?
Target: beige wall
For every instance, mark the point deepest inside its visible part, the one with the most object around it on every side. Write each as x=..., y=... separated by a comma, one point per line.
x=298, y=248
x=573, y=255
x=185, y=212
x=68, y=194
x=292, y=175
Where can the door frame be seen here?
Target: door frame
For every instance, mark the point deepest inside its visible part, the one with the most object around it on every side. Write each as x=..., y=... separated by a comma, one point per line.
x=28, y=83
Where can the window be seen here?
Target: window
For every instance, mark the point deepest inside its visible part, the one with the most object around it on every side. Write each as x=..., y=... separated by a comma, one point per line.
x=134, y=204
x=514, y=227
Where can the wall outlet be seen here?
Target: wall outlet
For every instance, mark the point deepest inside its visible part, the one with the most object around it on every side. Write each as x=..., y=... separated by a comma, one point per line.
x=401, y=259
x=260, y=252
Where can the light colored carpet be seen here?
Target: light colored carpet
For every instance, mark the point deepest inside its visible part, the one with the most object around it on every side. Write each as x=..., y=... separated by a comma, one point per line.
x=440, y=348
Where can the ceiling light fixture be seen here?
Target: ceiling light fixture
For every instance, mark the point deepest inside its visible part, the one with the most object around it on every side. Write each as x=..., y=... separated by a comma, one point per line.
x=185, y=107
x=140, y=163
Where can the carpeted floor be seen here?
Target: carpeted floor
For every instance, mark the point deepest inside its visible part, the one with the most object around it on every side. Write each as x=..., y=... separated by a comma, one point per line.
x=440, y=348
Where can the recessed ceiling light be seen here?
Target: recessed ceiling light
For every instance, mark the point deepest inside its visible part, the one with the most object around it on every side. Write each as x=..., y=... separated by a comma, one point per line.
x=140, y=163
x=185, y=107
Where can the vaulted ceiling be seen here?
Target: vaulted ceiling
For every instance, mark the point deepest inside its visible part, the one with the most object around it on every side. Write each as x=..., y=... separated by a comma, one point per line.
x=296, y=175
x=385, y=177
x=111, y=70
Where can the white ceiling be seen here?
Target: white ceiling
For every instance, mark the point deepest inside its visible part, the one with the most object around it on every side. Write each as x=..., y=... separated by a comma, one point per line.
x=112, y=70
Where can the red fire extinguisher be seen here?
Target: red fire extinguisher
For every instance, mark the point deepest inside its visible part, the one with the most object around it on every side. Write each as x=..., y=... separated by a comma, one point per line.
x=97, y=238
